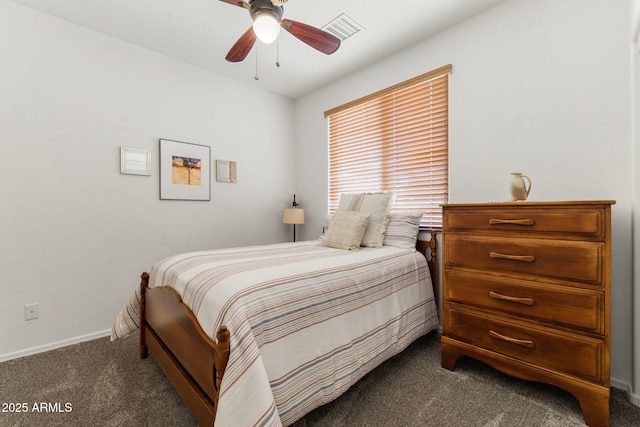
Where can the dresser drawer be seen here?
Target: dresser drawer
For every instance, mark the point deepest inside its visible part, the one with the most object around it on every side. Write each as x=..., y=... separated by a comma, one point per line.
x=570, y=307
x=587, y=222
x=546, y=347
x=555, y=259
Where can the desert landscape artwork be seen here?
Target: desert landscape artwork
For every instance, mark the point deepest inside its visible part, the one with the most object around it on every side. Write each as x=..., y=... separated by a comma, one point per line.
x=185, y=171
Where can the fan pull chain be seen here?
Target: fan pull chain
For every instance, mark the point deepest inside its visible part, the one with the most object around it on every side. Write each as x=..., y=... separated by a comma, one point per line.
x=256, y=77
x=278, y=52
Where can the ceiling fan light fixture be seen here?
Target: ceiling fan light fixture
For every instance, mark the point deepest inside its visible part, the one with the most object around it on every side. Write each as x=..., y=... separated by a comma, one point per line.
x=267, y=16
x=266, y=25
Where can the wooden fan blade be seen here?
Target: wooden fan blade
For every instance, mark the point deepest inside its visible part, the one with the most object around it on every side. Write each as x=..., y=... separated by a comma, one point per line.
x=238, y=3
x=314, y=37
x=242, y=47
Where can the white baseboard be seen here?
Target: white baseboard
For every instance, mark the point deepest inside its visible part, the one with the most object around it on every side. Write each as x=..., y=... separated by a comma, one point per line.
x=54, y=345
x=624, y=386
x=634, y=398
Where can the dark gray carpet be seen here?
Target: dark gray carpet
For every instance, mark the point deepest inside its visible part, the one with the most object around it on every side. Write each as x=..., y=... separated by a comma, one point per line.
x=106, y=384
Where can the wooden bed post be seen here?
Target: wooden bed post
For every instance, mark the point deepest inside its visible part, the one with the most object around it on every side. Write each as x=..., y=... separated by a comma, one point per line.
x=430, y=250
x=144, y=284
x=221, y=356
x=433, y=263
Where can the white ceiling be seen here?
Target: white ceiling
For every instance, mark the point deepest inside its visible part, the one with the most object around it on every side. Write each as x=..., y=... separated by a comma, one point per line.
x=201, y=32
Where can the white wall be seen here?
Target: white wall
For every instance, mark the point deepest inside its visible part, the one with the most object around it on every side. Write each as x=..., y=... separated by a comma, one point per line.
x=538, y=87
x=75, y=234
x=635, y=147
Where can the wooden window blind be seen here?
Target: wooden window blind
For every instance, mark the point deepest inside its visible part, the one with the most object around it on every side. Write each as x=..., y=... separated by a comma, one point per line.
x=395, y=140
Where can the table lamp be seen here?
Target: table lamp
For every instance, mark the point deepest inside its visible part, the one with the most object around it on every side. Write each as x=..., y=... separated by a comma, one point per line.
x=294, y=215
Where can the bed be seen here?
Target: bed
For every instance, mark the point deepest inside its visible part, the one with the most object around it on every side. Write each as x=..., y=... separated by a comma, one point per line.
x=262, y=335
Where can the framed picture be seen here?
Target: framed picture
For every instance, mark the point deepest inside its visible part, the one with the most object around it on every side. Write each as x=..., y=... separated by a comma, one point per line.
x=185, y=171
x=226, y=171
x=134, y=161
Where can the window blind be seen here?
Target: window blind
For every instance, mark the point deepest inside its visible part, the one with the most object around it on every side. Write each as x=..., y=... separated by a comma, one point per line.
x=395, y=139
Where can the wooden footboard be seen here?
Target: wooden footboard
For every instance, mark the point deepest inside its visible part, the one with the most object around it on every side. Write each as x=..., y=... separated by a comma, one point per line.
x=172, y=333
x=191, y=360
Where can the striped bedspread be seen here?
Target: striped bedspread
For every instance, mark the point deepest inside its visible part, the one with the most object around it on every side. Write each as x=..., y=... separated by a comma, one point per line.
x=306, y=321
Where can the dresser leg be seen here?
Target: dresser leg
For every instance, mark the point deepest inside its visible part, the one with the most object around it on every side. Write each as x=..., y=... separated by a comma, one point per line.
x=448, y=355
x=595, y=407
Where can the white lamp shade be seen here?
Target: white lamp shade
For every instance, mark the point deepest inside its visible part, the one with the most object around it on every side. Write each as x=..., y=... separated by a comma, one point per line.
x=266, y=27
x=293, y=216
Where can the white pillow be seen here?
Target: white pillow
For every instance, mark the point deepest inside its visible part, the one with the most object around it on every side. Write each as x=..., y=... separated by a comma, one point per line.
x=376, y=204
x=402, y=229
x=346, y=230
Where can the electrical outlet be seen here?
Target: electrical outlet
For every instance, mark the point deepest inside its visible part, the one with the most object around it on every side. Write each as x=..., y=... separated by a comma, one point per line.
x=31, y=311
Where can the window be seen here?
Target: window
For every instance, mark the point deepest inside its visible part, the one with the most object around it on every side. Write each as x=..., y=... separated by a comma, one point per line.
x=395, y=139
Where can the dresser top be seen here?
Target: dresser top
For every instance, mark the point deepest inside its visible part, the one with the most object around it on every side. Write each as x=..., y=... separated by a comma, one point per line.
x=531, y=203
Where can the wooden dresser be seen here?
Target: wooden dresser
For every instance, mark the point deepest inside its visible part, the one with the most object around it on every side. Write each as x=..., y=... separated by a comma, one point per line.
x=526, y=290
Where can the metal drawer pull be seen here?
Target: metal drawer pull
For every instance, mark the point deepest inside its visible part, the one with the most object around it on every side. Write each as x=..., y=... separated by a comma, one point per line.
x=494, y=221
x=524, y=258
x=525, y=301
x=524, y=343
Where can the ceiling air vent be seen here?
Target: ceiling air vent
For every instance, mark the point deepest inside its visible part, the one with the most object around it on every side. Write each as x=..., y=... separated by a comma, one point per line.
x=343, y=27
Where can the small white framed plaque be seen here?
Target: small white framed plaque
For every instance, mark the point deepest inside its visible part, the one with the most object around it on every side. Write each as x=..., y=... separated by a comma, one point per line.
x=134, y=161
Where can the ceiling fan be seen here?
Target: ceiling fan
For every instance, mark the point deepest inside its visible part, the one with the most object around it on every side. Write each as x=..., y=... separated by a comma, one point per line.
x=267, y=21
